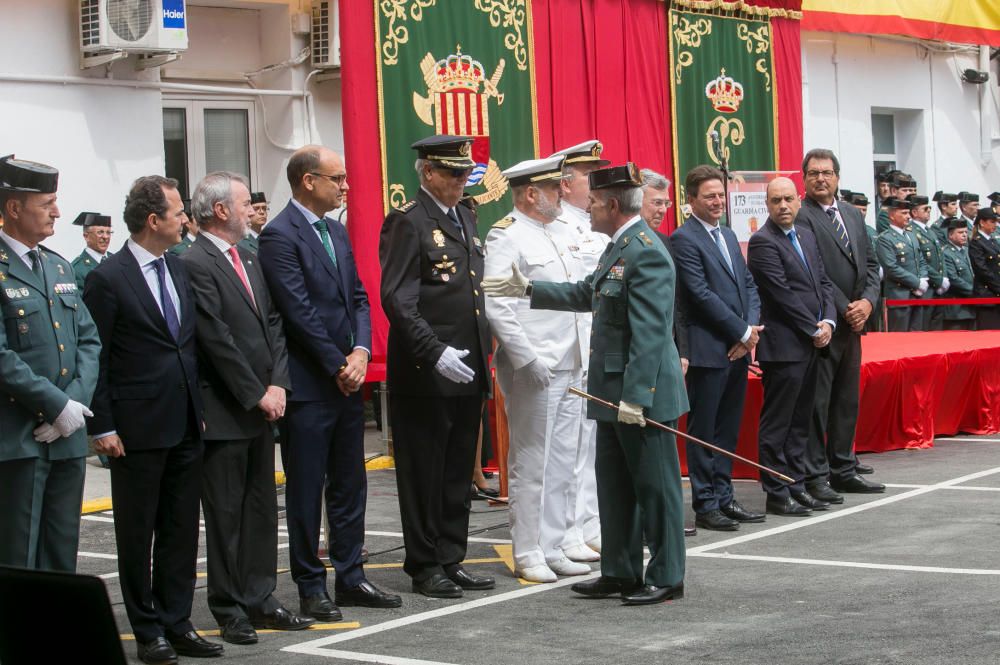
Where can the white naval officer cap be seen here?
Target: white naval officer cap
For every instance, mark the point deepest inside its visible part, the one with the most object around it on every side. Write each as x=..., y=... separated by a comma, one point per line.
x=532, y=171
x=588, y=152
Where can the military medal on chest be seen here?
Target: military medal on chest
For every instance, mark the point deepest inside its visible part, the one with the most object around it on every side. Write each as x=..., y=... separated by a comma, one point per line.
x=438, y=237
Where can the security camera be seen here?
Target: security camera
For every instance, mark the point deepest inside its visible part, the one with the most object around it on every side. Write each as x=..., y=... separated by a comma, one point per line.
x=975, y=77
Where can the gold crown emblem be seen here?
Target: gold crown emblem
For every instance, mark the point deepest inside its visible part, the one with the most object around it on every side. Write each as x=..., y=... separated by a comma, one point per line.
x=459, y=72
x=724, y=93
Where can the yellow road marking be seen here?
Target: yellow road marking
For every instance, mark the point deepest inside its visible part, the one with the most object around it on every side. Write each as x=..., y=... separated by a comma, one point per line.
x=380, y=462
x=350, y=625
x=95, y=506
x=506, y=553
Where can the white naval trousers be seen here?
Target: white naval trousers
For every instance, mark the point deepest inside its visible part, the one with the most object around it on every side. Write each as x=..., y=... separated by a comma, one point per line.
x=541, y=462
x=584, y=520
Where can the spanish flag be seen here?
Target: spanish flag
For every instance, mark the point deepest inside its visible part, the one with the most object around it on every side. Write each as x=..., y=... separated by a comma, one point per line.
x=963, y=21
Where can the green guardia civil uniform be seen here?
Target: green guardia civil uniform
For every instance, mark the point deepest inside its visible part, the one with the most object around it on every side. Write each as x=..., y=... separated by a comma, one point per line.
x=82, y=266
x=904, y=266
x=633, y=359
x=876, y=321
x=49, y=351
x=958, y=270
x=183, y=246
x=930, y=247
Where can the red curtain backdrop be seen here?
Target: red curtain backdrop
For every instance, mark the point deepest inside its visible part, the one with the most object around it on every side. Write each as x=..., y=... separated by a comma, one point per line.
x=600, y=72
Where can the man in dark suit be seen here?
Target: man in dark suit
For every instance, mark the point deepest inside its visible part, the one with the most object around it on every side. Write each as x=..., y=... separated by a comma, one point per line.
x=797, y=310
x=243, y=368
x=720, y=311
x=984, y=255
x=309, y=267
x=148, y=419
x=852, y=268
x=634, y=363
x=439, y=337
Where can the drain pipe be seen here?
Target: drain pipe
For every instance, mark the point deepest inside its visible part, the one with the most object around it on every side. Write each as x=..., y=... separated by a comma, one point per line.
x=985, y=111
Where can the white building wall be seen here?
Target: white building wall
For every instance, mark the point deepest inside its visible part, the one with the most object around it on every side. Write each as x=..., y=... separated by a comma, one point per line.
x=101, y=138
x=846, y=77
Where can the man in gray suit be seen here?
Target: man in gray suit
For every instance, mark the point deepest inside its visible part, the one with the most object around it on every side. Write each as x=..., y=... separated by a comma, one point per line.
x=851, y=266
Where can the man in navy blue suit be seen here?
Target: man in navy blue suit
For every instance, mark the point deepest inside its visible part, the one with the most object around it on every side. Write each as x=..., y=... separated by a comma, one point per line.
x=309, y=268
x=719, y=310
x=797, y=308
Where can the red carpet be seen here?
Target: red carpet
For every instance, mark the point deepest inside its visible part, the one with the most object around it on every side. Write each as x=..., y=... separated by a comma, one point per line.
x=914, y=386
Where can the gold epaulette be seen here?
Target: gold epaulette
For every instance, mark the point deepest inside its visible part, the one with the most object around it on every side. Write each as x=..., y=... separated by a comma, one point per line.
x=645, y=238
x=504, y=223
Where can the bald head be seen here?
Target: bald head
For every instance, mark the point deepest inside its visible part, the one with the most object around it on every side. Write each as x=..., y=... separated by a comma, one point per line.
x=318, y=178
x=782, y=202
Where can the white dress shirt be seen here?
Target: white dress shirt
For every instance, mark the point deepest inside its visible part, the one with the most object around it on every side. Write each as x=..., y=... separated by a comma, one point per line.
x=19, y=248
x=146, y=260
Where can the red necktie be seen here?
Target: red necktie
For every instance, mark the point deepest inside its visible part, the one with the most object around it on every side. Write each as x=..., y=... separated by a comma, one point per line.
x=235, y=256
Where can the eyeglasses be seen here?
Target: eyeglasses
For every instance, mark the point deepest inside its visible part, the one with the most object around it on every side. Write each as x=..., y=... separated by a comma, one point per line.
x=454, y=172
x=662, y=203
x=335, y=179
x=812, y=175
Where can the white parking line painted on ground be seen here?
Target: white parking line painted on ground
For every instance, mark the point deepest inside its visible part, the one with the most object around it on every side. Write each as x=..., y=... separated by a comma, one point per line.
x=97, y=518
x=968, y=438
x=472, y=539
x=378, y=658
x=314, y=647
x=848, y=564
x=802, y=522
x=97, y=555
x=969, y=488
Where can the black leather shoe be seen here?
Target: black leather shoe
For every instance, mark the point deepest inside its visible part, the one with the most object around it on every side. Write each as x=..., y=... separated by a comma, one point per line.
x=650, y=595
x=824, y=492
x=857, y=485
x=690, y=531
x=602, y=587
x=157, y=652
x=367, y=594
x=863, y=468
x=239, y=631
x=809, y=501
x=437, y=586
x=735, y=511
x=320, y=607
x=282, y=619
x=714, y=520
x=470, y=582
x=193, y=645
x=787, y=506
x=483, y=493
x=364, y=555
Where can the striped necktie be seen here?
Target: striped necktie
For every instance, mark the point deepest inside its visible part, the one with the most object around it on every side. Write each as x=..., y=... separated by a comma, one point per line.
x=840, y=229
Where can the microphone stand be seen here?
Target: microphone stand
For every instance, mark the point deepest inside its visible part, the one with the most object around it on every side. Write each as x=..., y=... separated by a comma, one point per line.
x=724, y=163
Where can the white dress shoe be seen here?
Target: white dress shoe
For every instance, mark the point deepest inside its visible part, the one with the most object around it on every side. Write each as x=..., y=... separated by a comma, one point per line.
x=564, y=566
x=540, y=573
x=595, y=544
x=581, y=553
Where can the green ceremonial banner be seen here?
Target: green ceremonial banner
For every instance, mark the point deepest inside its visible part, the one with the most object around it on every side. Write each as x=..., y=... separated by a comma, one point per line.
x=722, y=80
x=456, y=67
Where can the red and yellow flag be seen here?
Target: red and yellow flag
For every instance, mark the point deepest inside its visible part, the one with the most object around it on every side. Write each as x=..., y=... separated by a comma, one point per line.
x=963, y=21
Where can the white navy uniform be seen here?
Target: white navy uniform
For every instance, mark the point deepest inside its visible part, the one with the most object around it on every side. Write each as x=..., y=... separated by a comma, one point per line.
x=585, y=519
x=544, y=422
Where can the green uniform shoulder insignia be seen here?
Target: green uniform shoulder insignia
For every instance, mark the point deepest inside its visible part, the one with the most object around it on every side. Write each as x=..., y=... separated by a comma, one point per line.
x=645, y=238
x=406, y=207
x=504, y=223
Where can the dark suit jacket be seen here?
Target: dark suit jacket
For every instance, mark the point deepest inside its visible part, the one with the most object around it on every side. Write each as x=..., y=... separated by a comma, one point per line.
x=148, y=381
x=325, y=308
x=984, y=255
x=431, y=294
x=852, y=278
x=793, y=299
x=715, y=307
x=241, y=347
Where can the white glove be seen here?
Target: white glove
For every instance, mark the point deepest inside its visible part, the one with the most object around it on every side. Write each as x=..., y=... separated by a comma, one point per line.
x=513, y=286
x=945, y=285
x=451, y=367
x=46, y=433
x=71, y=418
x=923, y=284
x=535, y=375
x=631, y=414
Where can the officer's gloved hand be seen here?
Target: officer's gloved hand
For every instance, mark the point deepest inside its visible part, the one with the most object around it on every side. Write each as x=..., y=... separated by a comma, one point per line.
x=512, y=286
x=451, y=367
x=945, y=285
x=631, y=414
x=535, y=374
x=46, y=433
x=924, y=282
x=71, y=418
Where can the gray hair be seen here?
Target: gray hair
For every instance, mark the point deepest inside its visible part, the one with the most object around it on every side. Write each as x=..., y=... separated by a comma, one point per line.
x=653, y=180
x=214, y=188
x=629, y=198
x=419, y=167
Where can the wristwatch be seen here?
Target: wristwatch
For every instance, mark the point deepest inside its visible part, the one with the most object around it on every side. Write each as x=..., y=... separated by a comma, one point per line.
x=527, y=290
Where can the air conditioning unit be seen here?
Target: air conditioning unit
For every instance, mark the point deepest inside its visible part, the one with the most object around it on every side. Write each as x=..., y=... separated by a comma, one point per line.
x=325, y=35
x=137, y=26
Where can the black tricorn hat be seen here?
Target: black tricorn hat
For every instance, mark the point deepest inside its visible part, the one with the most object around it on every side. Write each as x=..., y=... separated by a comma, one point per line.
x=917, y=200
x=88, y=219
x=994, y=198
x=968, y=197
x=845, y=194
x=19, y=175
x=858, y=199
x=257, y=197
x=626, y=175
x=986, y=214
x=893, y=202
x=954, y=223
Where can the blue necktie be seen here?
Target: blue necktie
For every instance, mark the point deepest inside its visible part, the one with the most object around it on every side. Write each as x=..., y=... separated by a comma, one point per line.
x=717, y=234
x=798, y=248
x=166, y=302
x=453, y=216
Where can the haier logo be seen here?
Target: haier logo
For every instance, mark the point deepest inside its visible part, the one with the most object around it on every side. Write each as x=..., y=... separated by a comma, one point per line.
x=173, y=14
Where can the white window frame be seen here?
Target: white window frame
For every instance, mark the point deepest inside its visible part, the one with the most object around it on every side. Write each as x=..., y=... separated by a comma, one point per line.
x=194, y=118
